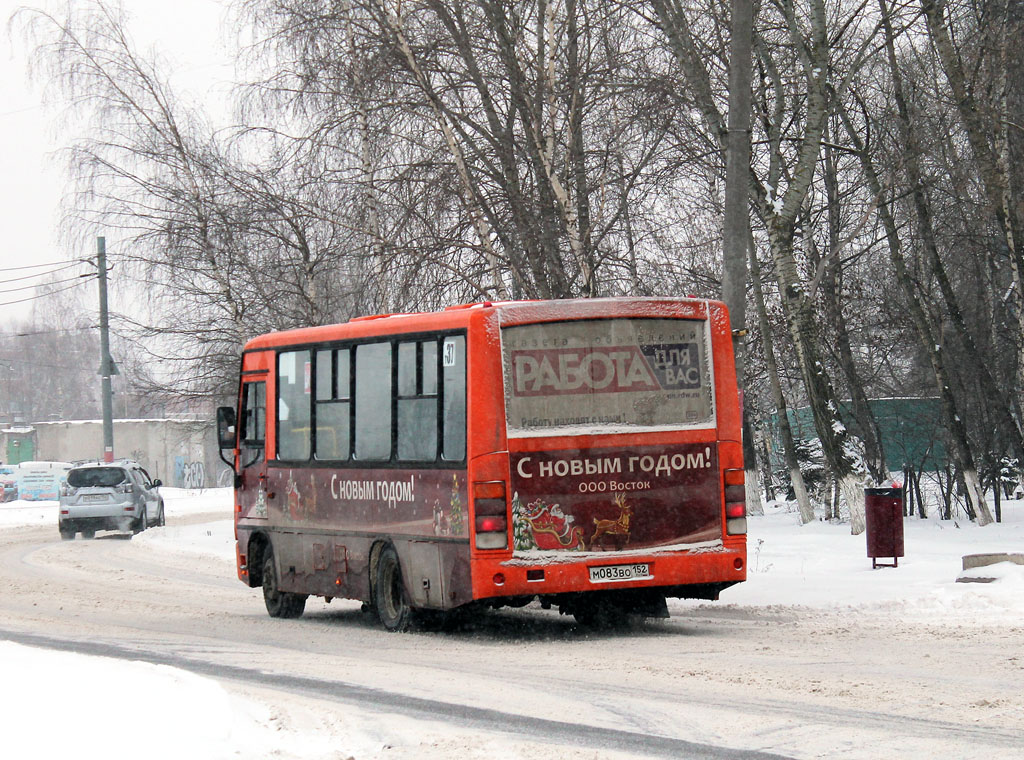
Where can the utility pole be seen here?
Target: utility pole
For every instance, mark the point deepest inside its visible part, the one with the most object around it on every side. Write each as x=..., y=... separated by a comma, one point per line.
x=107, y=366
x=736, y=223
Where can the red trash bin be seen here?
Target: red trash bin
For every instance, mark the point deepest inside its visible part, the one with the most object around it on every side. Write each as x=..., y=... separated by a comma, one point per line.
x=883, y=510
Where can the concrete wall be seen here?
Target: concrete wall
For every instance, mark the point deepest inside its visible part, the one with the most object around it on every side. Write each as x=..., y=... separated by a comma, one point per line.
x=182, y=453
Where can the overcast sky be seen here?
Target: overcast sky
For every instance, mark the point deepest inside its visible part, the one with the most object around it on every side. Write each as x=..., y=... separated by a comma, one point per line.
x=188, y=32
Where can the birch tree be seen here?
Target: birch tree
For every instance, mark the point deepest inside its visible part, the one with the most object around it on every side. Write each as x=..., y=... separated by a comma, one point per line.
x=222, y=248
x=781, y=178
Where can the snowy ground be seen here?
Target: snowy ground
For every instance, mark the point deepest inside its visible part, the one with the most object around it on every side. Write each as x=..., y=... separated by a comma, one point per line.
x=818, y=567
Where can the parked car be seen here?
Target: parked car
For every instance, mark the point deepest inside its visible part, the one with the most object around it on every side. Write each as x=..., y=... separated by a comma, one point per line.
x=109, y=496
x=8, y=484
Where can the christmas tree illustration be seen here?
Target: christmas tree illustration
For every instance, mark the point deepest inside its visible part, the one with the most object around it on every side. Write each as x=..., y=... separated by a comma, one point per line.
x=455, y=520
x=522, y=531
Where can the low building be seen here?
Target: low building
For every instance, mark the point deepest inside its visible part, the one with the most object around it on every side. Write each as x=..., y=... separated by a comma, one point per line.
x=181, y=452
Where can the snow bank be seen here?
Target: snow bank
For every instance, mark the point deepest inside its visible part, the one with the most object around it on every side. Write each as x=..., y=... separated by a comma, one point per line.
x=820, y=565
x=60, y=704
x=178, y=502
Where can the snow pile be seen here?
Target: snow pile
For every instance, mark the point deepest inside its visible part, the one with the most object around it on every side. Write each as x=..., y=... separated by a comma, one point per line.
x=820, y=565
x=178, y=502
x=61, y=704
x=215, y=538
x=19, y=512
x=184, y=501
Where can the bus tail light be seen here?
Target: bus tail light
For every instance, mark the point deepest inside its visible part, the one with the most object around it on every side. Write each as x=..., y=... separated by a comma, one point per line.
x=735, y=503
x=490, y=524
x=491, y=515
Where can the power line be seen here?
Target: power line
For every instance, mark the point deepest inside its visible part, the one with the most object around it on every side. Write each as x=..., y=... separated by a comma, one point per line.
x=43, y=284
x=46, y=295
x=51, y=264
x=38, y=274
x=29, y=333
x=11, y=362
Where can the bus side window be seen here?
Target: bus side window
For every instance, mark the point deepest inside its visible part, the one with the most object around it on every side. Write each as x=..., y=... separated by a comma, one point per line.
x=453, y=377
x=254, y=415
x=373, y=401
x=417, y=401
x=333, y=405
x=293, y=405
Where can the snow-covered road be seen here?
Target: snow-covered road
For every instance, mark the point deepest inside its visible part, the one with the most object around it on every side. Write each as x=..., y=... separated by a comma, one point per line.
x=816, y=656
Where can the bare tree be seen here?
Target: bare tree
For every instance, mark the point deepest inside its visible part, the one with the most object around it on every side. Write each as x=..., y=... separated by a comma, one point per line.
x=223, y=249
x=805, y=47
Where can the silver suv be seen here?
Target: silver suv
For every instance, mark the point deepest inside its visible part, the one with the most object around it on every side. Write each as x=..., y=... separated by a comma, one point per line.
x=109, y=496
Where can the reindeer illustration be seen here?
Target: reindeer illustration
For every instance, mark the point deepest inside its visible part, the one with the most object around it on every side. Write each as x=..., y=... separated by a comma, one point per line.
x=619, y=527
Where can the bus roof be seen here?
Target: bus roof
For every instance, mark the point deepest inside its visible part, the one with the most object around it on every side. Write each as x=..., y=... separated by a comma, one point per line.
x=509, y=312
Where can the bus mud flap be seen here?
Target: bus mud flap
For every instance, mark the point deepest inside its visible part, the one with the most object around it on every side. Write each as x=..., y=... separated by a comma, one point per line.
x=421, y=567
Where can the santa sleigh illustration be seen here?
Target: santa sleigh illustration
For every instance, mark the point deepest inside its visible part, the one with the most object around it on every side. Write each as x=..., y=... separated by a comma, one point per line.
x=552, y=528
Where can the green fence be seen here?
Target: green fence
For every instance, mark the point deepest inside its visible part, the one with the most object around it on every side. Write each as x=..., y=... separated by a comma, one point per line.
x=911, y=431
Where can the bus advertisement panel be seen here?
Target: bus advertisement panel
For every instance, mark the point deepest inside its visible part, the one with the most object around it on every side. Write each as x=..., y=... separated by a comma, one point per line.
x=635, y=374
x=599, y=500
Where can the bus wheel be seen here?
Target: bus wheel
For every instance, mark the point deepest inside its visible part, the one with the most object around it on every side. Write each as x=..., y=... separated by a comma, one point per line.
x=280, y=604
x=389, y=593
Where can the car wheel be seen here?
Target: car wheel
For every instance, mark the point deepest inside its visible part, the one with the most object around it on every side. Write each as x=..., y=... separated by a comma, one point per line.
x=389, y=593
x=88, y=534
x=142, y=523
x=280, y=604
x=67, y=535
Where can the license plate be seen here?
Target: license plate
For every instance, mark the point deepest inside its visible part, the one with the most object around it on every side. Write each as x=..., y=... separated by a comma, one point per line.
x=94, y=498
x=612, y=573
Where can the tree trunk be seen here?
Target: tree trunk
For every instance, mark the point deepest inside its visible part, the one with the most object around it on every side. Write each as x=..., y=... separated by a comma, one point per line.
x=864, y=420
x=796, y=478
x=766, y=470
x=993, y=164
x=842, y=451
x=911, y=155
x=755, y=506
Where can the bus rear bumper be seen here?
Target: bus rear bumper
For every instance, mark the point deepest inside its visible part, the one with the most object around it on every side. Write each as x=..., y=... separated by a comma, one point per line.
x=686, y=574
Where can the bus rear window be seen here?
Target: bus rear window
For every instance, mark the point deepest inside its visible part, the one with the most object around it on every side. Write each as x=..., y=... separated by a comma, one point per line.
x=606, y=375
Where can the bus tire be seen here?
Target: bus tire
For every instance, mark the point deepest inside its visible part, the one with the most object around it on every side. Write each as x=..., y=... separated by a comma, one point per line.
x=280, y=604
x=389, y=597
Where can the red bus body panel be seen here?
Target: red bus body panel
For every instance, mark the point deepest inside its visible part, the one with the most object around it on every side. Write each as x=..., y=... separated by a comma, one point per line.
x=653, y=497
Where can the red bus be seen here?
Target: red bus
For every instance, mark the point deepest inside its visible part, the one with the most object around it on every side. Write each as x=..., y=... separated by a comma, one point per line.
x=585, y=453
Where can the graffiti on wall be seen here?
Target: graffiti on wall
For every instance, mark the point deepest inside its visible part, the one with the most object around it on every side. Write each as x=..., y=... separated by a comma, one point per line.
x=189, y=474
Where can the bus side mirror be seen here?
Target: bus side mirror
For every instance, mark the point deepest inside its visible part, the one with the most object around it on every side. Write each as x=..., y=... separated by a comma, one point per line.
x=226, y=427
